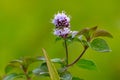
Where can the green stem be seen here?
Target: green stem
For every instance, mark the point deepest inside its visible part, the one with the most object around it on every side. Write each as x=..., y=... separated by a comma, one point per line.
x=26, y=74
x=66, y=49
x=76, y=60
x=28, y=78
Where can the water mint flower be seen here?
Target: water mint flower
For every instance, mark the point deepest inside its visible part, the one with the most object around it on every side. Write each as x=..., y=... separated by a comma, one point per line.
x=62, y=32
x=61, y=20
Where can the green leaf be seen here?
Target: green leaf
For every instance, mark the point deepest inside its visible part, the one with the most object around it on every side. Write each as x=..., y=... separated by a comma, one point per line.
x=9, y=68
x=100, y=45
x=87, y=32
x=13, y=76
x=44, y=67
x=17, y=61
x=83, y=31
x=54, y=60
x=37, y=71
x=42, y=70
x=12, y=66
x=57, y=60
x=66, y=76
x=76, y=78
x=51, y=67
x=28, y=60
x=41, y=58
x=10, y=77
x=102, y=33
x=86, y=64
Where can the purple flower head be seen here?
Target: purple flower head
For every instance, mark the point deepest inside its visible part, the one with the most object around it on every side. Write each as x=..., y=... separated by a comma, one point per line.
x=62, y=32
x=61, y=20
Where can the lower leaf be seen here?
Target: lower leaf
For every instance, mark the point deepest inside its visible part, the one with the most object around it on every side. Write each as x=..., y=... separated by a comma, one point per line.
x=86, y=64
x=13, y=76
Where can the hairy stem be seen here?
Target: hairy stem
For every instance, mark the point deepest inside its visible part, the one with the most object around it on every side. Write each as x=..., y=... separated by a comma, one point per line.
x=66, y=49
x=76, y=60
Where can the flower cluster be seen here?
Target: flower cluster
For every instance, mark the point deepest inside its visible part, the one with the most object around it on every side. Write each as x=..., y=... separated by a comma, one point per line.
x=62, y=25
x=62, y=32
x=61, y=20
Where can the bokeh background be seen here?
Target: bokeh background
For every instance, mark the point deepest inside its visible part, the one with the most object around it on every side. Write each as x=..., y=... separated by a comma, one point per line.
x=25, y=28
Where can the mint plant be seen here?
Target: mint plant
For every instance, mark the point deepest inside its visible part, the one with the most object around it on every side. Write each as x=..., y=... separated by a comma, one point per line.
x=88, y=37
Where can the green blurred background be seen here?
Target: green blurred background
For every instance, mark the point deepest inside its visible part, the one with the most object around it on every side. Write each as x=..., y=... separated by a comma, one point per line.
x=25, y=28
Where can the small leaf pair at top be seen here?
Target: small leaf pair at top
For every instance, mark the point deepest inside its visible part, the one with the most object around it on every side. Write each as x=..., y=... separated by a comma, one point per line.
x=86, y=64
x=13, y=76
x=100, y=45
x=51, y=67
x=102, y=33
x=87, y=32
